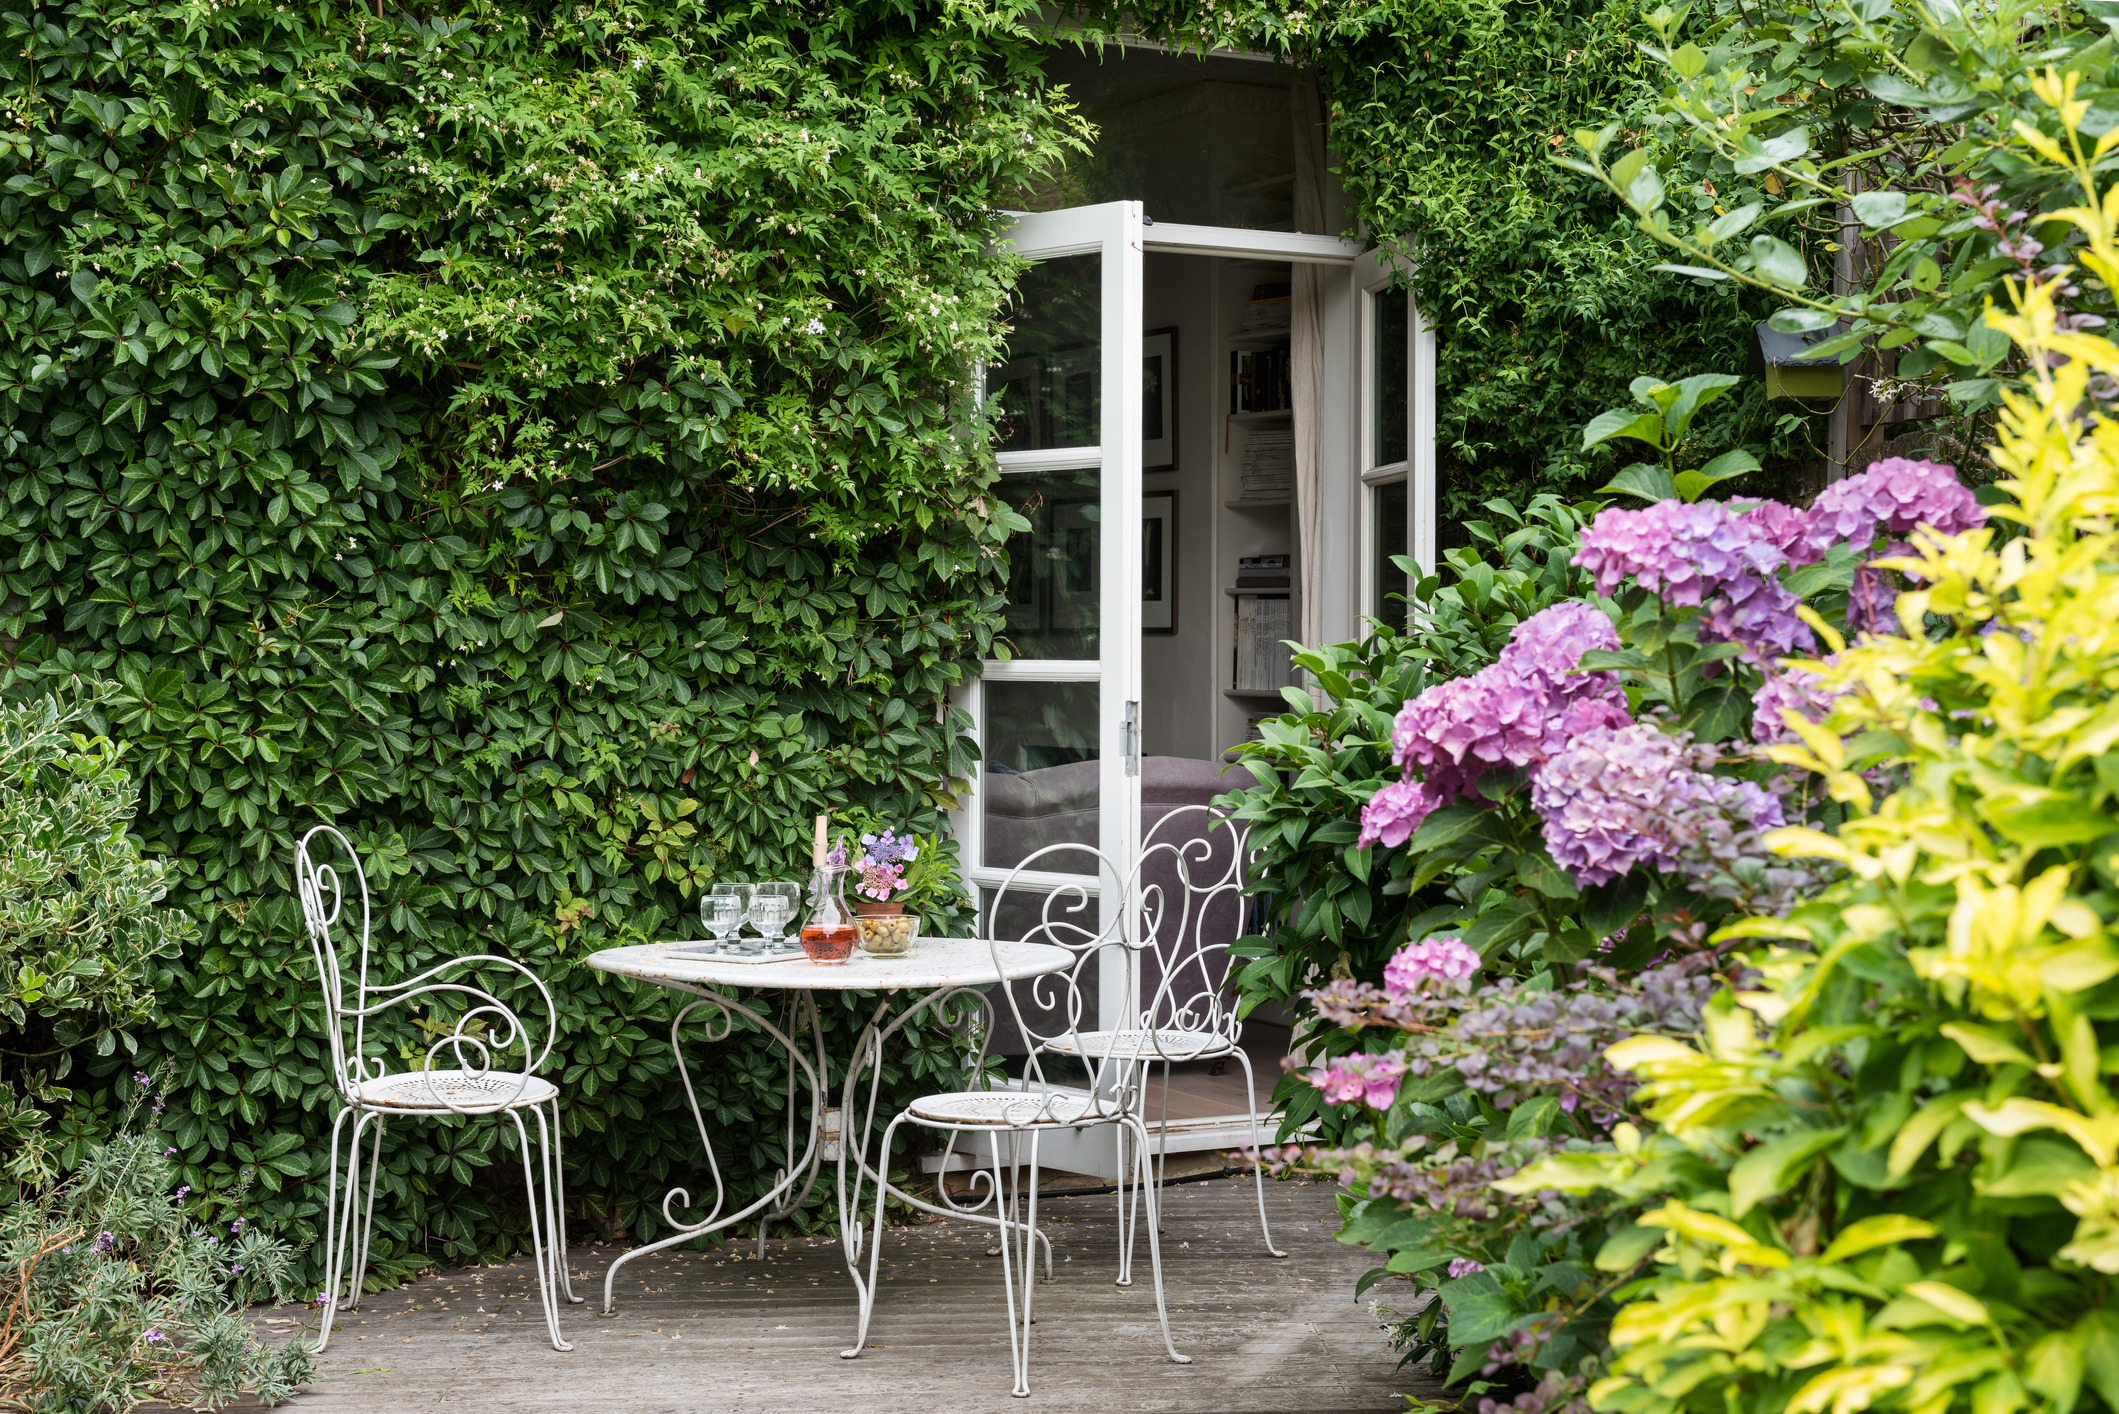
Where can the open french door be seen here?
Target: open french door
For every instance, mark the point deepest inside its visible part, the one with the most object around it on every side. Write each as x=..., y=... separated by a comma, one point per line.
x=1058, y=721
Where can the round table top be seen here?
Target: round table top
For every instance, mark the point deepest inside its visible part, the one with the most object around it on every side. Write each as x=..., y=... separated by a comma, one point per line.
x=933, y=962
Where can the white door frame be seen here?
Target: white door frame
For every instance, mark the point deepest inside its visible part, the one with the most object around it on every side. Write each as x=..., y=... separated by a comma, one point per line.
x=1120, y=234
x=1113, y=231
x=1373, y=271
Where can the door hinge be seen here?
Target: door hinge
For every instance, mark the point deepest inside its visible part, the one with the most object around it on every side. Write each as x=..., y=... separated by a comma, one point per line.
x=1129, y=739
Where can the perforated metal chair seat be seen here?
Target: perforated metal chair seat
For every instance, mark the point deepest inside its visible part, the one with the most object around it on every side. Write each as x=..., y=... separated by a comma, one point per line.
x=1148, y=1045
x=439, y=1089
x=1009, y=1109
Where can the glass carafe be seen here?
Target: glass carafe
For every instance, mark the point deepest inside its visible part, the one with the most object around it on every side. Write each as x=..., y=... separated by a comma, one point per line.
x=828, y=930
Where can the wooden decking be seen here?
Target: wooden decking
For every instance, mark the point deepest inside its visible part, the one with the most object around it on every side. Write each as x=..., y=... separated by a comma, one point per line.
x=722, y=1330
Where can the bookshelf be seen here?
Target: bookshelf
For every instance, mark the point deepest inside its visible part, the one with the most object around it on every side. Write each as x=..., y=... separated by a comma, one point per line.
x=1254, y=479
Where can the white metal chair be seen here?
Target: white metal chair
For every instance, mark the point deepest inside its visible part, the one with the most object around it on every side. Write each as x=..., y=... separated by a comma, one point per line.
x=1012, y=1121
x=1187, y=889
x=480, y=1040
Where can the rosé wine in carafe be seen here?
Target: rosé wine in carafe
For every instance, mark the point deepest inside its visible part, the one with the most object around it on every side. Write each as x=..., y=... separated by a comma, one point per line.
x=828, y=933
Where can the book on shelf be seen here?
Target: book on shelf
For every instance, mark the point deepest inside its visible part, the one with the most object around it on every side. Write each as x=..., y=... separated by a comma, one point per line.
x=1261, y=564
x=1263, y=581
x=1260, y=380
x=1254, y=728
x=1269, y=309
x=1263, y=660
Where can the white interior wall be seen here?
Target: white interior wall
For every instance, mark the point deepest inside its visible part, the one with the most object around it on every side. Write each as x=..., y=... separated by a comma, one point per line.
x=1178, y=688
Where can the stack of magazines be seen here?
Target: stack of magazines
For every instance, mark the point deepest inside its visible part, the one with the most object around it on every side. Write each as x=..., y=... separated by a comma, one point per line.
x=1269, y=309
x=1263, y=661
x=1268, y=468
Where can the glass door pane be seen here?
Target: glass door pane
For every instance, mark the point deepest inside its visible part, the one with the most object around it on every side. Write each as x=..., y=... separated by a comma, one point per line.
x=1390, y=362
x=1041, y=744
x=1053, y=718
x=1049, y=384
x=1055, y=569
x=1389, y=515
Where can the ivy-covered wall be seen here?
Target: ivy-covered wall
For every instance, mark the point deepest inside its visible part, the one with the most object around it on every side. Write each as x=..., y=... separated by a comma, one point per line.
x=529, y=439
x=1443, y=117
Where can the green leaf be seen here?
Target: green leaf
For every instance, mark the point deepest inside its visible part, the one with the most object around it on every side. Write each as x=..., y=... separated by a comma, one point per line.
x=1479, y=1311
x=1690, y=484
x=1611, y=907
x=2040, y=1166
x=1773, y=1165
x=1623, y=422
x=1628, y=167
x=1719, y=711
x=1624, y=1249
x=1987, y=1045
x=1884, y=1230
x=1534, y=1118
x=1697, y=272
x=1773, y=259
x=2043, y=822
x=1644, y=479
x=1447, y=825
x=1537, y=871
x=1879, y=208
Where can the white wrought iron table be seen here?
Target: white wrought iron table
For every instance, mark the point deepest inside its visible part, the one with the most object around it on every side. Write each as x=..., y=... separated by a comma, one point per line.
x=945, y=968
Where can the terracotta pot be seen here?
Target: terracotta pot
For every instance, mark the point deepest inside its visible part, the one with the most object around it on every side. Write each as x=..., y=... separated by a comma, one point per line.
x=869, y=908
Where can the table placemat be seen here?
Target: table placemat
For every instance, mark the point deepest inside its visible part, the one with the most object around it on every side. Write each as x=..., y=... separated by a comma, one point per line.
x=710, y=950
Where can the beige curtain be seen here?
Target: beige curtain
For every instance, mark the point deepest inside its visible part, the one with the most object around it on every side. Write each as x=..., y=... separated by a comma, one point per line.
x=1307, y=355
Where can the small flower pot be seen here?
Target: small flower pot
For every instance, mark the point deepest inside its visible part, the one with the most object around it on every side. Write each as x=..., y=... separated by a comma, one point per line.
x=886, y=928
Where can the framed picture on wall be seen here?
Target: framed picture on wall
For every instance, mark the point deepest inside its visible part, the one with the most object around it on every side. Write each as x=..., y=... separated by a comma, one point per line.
x=1158, y=563
x=1158, y=399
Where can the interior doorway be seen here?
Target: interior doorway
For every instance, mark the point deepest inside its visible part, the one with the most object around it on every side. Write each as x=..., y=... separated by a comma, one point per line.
x=1191, y=505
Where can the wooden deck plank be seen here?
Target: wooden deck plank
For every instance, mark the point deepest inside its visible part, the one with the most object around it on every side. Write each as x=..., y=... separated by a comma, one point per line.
x=723, y=1330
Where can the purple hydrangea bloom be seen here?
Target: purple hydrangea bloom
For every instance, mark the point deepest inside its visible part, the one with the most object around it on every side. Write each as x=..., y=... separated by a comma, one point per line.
x=1447, y=961
x=1619, y=797
x=1603, y=800
x=889, y=848
x=1545, y=649
x=1704, y=555
x=1872, y=600
x=1367, y=1079
x=1893, y=497
x=1787, y=689
x=1464, y=1266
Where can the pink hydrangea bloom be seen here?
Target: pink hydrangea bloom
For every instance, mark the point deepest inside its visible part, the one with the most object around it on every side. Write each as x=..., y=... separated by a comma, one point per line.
x=1704, y=555
x=1786, y=529
x=1893, y=497
x=1367, y=1079
x=1513, y=712
x=1394, y=812
x=880, y=881
x=1464, y=1266
x=1447, y=961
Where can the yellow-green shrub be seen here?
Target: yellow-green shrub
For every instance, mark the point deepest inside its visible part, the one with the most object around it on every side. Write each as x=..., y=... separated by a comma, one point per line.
x=1914, y=1113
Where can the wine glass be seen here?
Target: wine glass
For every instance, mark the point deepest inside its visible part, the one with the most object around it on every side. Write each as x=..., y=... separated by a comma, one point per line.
x=793, y=894
x=722, y=915
x=770, y=914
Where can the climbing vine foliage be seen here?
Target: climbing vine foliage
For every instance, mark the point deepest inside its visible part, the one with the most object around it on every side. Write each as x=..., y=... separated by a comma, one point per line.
x=538, y=439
